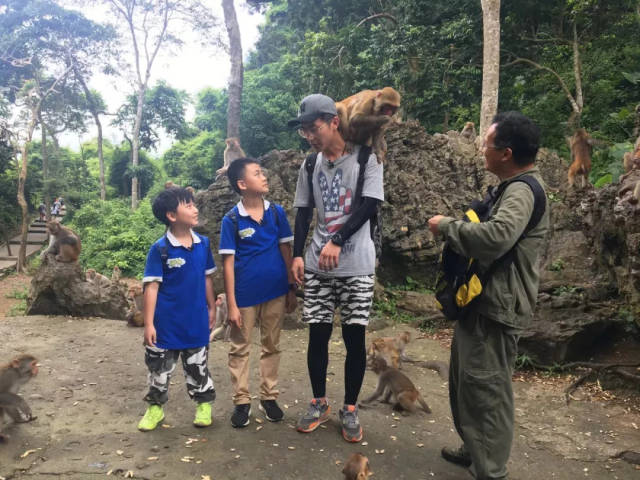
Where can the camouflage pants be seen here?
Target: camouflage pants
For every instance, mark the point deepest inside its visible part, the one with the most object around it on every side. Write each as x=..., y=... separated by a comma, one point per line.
x=161, y=364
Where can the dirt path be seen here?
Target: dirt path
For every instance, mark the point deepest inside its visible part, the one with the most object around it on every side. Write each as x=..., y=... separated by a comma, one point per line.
x=92, y=379
x=9, y=286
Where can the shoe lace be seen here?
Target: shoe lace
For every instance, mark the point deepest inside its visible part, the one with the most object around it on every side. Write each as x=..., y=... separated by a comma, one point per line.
x=314, y=409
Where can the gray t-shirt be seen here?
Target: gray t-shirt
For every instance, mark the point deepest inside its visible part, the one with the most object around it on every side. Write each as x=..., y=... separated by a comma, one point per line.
x=334, y=189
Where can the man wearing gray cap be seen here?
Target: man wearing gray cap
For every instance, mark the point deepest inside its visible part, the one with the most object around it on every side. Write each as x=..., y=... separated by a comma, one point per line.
x=339, y=264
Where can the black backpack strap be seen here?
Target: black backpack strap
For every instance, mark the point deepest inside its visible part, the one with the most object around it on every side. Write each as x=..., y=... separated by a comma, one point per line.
x=163, y=248
x=274, y=212
x=363, y=159
x=310, y=165
x=233, y=216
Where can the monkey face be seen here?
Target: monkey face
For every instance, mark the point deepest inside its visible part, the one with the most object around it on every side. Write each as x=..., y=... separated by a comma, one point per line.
x=388, y=109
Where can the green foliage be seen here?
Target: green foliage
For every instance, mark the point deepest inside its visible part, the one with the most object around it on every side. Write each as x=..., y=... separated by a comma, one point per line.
x=114, y=235
x=121, y=171
x=195, y=160
x=557, y=265
x=21, y=293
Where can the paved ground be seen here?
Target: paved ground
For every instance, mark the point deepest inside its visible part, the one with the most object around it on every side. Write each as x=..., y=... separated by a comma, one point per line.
x=92, y=378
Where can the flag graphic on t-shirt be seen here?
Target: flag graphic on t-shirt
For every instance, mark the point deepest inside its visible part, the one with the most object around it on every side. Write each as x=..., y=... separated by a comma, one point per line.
x=337, y=201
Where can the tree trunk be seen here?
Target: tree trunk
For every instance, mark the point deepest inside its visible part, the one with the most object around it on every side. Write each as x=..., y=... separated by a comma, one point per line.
x=234, y=107
x=576, y=114
x=46, y=194
x=490, y=62
x=135, y=145
x=21, y=265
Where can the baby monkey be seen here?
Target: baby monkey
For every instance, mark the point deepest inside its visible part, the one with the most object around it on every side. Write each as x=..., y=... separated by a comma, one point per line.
x=357, y=467
x=12, y=376
x=391, y=349
x=392, y=382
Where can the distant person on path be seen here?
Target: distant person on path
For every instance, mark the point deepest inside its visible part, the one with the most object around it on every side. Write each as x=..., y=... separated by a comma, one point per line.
x=485, y=339
x=42, y=210
x=179, y=308
x=255, y=244
x=55, y=207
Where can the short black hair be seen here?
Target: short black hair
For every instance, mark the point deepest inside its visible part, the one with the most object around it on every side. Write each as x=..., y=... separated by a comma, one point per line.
x=519, y=133
x=168, y=201
x=236, y=171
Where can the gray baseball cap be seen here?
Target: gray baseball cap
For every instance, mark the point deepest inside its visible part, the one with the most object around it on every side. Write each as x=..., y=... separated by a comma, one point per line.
x=312, y=107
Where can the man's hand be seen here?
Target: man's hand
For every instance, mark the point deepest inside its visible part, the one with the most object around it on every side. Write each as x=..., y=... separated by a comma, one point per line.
x=329, y=256
x=297, y=270
x=235, y=316
x=291, y=302
x=433, y=224
x=150, y=335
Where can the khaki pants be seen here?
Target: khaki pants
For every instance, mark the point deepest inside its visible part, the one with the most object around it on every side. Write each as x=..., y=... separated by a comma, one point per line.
x=270, y=316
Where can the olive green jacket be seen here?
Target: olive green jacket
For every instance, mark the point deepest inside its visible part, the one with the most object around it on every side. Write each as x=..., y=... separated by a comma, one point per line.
x=510, y=294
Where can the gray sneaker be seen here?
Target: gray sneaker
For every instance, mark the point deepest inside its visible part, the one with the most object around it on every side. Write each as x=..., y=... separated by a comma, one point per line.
x=317, y=414
x=351, y=429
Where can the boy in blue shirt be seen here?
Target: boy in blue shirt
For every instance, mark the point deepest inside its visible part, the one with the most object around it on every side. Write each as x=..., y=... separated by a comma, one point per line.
x=256, y=251
x=179, y=308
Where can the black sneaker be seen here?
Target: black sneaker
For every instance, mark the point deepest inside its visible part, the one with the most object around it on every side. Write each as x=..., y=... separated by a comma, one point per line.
x=240, y=417
x=271, y=410
x=459, y=456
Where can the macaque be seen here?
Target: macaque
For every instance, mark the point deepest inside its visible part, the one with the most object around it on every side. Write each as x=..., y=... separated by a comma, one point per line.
x=357, y=467
x=390, y=348
x=581, y=148
x=392, y=382
x=222, y=319
x=135, y=297
x=115, y=274
x=64, y=243
x=469, y=132
x=365, y=116
x=169, y=184
x=97, y=279
x=232, y=152
x=12, y=376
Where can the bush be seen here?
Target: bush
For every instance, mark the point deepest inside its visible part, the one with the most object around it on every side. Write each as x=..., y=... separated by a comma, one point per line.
x=112, y=234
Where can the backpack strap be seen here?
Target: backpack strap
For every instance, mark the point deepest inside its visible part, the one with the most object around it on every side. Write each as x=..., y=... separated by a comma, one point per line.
x=274, y=212
x=233, y=216
x=163, y=248
x=363, y=159
x=310, y=165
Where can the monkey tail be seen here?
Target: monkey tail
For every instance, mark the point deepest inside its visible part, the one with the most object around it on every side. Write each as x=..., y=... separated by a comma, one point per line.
x=424, y=405
x=441, y=367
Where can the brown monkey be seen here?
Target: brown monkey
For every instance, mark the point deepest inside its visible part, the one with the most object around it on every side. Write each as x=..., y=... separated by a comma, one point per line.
x=357, y=467
x=115, y=274
x=581, y=148
x=64, y=243
x=97, y=278
x=135, y=297
x=232, y=152
x=222, y=319
x=365, y=116
x=469, y=132
x=392, y=382
x=169, y=184
x=12, y=376
x=390, y=348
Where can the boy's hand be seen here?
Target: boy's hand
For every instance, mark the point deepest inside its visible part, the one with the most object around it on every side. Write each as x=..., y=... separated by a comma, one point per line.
x=291, y=302
x=235, y=316
x=150, y=335
x=329, y=256
x=297, y=270
x=434, y=223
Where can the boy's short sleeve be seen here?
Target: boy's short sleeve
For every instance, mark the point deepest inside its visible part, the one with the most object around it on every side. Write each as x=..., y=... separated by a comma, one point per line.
x=153, y=267
x=227, y=237
x=284, y=229
x=373, y=179
x=210, y=266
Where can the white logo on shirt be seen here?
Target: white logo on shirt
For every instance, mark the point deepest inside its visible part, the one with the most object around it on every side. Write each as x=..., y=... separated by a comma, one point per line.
x=175, y=262
x=246, y=232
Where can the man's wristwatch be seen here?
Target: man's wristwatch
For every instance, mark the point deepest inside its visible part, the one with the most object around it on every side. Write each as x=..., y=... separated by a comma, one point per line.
x=336, y=238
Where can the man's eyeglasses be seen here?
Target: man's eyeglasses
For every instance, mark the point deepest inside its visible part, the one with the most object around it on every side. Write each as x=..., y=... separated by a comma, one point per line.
x=312, y=131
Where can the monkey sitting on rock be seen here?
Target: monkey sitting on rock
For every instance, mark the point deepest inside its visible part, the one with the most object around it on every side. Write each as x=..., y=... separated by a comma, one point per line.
x=64, y=244
x=12, y=376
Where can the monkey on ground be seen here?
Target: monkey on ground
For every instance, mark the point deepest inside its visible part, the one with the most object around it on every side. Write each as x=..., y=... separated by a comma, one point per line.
x=469, y=132
x=232, y=152
x=12, y=376
x=64, y=243
x=394, y=383
x=97, y=279
x=135, y=297
x=365, y=116
x=631, y=160
x=390, y=348
x=222, y=319
x=357, y=467
x=581, y=145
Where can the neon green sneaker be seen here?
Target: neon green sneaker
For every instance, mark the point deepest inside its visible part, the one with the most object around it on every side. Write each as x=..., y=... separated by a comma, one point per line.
x=152, y=418
x=203, y=415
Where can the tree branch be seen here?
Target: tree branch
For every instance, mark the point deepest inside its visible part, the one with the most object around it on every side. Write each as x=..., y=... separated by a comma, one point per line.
x=388, y=16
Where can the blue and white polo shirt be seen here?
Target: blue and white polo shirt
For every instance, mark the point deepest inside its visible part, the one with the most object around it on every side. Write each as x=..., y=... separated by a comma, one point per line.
x=260, y=270
x=181, y=317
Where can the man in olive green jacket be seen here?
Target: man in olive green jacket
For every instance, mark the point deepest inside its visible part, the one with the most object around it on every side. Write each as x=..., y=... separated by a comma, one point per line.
x=485, y=341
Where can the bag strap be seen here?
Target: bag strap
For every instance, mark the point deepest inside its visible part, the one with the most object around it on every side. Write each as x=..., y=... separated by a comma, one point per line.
x=163, y=248
x=310, y=165
x=363, y=159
